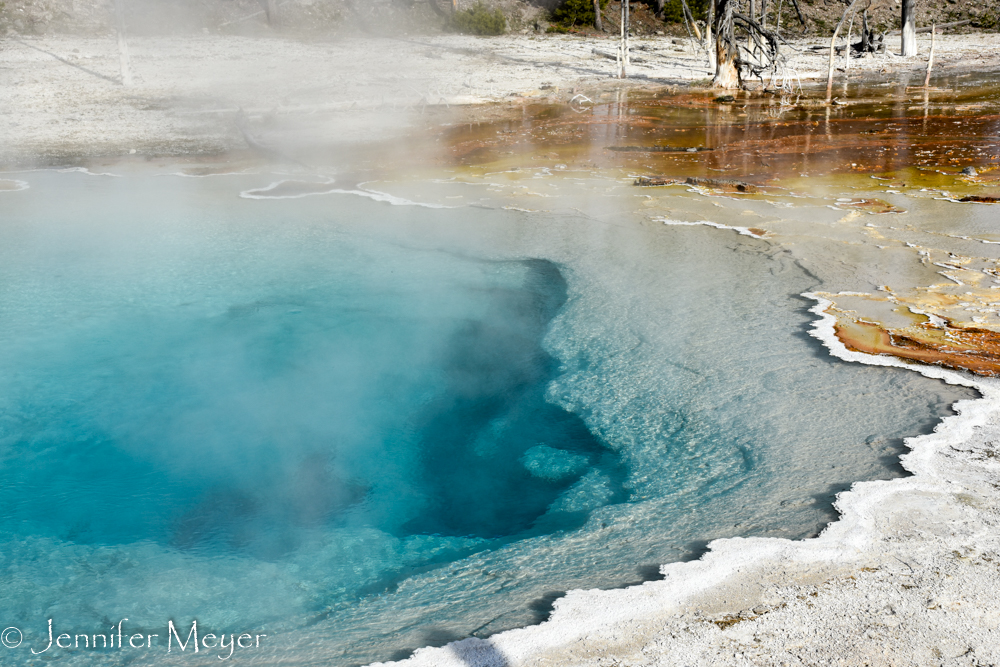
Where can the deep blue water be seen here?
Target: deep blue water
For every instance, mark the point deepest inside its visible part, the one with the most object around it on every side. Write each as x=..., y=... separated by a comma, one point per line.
x=324, y=419
x=240, y=428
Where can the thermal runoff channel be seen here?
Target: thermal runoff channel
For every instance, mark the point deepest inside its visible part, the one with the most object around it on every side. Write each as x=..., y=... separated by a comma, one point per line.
x=356, y=428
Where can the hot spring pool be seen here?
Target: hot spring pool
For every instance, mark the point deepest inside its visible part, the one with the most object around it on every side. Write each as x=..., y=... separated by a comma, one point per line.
x=359, y=428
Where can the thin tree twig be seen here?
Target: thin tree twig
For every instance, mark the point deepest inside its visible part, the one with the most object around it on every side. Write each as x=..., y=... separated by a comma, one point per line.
x=930, y=60
x=847, y=49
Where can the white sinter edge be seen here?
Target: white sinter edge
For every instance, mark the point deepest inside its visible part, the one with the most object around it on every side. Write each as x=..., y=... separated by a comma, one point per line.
x=745, y=231
x=864, y=512
x=18, y=185
x=65, y=170
x=261, y=193
x=181, y=174
x=87, y=172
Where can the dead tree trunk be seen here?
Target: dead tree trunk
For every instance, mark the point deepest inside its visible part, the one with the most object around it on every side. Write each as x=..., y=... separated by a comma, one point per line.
x=689, y=21
x=273, y=13
x=710, y=33
x=802, y=19
x=758, y=58
x=847, y=49
x=833, y=47
x=597, y=16
x=726, y=50
x=930, y=60
x=909, y=25
x=124, y=62
x=866, y=34
x=623, y=46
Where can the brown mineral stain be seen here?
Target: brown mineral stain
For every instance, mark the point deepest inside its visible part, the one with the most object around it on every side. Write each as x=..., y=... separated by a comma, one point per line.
x=970, y=349
x=729, y=621
x=751, y=137
x=980, y=199
x=915, y=138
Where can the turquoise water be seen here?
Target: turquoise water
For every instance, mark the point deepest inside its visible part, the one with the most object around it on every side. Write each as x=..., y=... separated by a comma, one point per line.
x=361, y=428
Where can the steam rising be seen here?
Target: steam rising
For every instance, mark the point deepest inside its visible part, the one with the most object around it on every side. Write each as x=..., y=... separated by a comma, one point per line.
x=322, y=417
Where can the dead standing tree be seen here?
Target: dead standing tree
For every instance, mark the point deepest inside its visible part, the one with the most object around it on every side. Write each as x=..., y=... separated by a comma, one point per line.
x=744, y=49
x=273, y=12
x=833, y=44
x=727, y=74
x=908, y=24
x=124, y=62
x=623, y=46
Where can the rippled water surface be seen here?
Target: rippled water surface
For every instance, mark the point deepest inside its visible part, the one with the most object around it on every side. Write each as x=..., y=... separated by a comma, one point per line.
x=361, y=428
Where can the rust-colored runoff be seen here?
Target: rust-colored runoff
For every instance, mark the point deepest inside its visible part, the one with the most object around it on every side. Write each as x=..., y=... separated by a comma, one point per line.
x=972, y=349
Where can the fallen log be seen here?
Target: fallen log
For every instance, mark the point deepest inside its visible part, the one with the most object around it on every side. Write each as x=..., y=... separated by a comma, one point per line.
x=730, y=184
x=648, y=181
x=658, y=149
x=612, y=56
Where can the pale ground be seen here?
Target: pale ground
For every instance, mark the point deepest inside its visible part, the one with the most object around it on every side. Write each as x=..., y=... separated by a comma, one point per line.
x=909, y=574
x=61, y=97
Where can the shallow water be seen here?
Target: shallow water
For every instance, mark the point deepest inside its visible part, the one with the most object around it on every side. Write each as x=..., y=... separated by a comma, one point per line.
x=362, y=428
x=876, y=127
